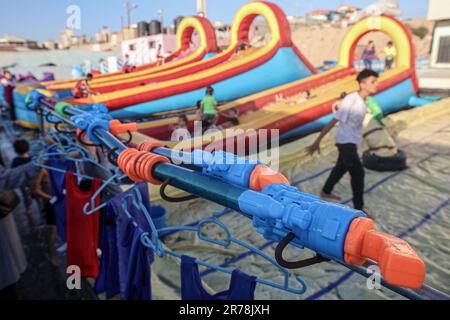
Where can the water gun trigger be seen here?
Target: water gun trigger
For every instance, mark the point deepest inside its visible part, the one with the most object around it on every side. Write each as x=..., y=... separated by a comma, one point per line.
x=399, y=263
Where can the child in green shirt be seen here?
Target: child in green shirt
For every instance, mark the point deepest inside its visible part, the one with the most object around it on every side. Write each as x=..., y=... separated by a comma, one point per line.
x=209, y=108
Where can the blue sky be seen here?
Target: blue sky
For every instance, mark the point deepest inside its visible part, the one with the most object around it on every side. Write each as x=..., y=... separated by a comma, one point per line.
x=43, y=19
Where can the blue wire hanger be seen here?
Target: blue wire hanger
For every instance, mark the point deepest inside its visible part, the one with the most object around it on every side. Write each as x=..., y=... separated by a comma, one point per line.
x=118, y=176
x=153, y=242
x=85, y=158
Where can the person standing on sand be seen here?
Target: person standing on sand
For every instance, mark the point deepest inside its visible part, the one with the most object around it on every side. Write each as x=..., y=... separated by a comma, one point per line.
x=369, y=54
x=9, y=83
x=391, y=54
x=349, y=120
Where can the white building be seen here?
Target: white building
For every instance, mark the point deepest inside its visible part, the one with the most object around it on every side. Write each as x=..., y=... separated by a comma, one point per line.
x=18, y=42
x=144, y=50
x=436, y=79
x=439, y=10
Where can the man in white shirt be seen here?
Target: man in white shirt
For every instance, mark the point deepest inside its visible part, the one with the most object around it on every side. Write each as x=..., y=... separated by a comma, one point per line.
x=349, y=121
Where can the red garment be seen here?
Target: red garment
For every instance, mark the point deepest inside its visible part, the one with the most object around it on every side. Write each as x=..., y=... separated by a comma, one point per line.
x=128, y=69
x=82, y=230
x=81, y=90
x=8, y=95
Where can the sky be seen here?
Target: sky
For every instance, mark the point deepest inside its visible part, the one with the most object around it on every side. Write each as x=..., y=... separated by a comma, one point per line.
x=44, y=19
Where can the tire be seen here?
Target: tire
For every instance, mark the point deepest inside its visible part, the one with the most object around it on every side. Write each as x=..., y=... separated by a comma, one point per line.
x=385, y=164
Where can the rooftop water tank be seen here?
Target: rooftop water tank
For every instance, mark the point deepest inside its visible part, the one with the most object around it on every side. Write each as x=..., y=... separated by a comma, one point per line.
x=143, y=29
x=155, y=27
x=177, y=22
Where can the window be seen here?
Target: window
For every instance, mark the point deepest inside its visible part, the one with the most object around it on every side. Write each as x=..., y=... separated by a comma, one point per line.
x=132, y=47
x=444, y=50
x=152, y=44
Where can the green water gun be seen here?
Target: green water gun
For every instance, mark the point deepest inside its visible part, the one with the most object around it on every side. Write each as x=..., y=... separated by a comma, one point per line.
x=375, y=110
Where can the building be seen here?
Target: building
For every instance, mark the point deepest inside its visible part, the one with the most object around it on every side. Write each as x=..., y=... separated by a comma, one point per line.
x=103, y=36
x=320, y=15
x=49, y=45
x=66, y=38
x=143, y=50
x=439, y=11
x=116, y=38
x=435, y=80
x=18, y=42
x=130, y=33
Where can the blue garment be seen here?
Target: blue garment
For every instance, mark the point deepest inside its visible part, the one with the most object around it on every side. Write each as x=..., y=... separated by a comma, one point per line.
x=108, y=279
x=58, y=186
x=367, y=64
x=125, y=265
x=138, y=281
x=242, y=286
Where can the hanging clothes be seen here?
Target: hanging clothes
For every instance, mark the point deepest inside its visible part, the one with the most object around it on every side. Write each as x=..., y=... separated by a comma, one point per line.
x=125, y=264
x=58, y=192
x=108, y=280
x=242, y=286
x=138, y=280
x=82, y=230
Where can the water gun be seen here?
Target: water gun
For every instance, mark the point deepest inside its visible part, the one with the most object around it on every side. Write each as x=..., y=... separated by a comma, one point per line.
x=375, y=109
x=278, y=211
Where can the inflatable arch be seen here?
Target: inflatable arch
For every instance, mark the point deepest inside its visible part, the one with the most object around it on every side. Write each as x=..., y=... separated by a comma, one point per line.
x=205, y=31
x=401, y=37
x=274, y=17
x=277, y=22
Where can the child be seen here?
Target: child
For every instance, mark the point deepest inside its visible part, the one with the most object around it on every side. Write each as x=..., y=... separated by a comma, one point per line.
x=127, y=67
x=159, y=56
x=82, y=89
x=349, y=121
x=209, y=109
x=41, y=190
x=391, y=54
x=180, y=131
x=9, y=84
x=240, y=49
x=199, y=112
x=182, y=122
x=369, y=54
x=233, y=117
x=303, y=97
x=22, y=148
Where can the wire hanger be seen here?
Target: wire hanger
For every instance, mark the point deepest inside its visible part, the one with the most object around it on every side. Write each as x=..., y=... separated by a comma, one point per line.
x=153, y=242
x=118, y=176
x=86, y=157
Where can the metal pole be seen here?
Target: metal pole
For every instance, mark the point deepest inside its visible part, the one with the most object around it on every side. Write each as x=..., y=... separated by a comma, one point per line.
x=424, y=293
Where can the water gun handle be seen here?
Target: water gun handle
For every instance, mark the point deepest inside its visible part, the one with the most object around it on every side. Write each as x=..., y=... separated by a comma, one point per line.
x=399, y=263
x=116, y=127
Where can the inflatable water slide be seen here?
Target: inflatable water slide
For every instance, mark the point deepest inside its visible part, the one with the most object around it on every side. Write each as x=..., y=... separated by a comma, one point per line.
x=293, y=118
x=176, y=65
x=236, y=76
